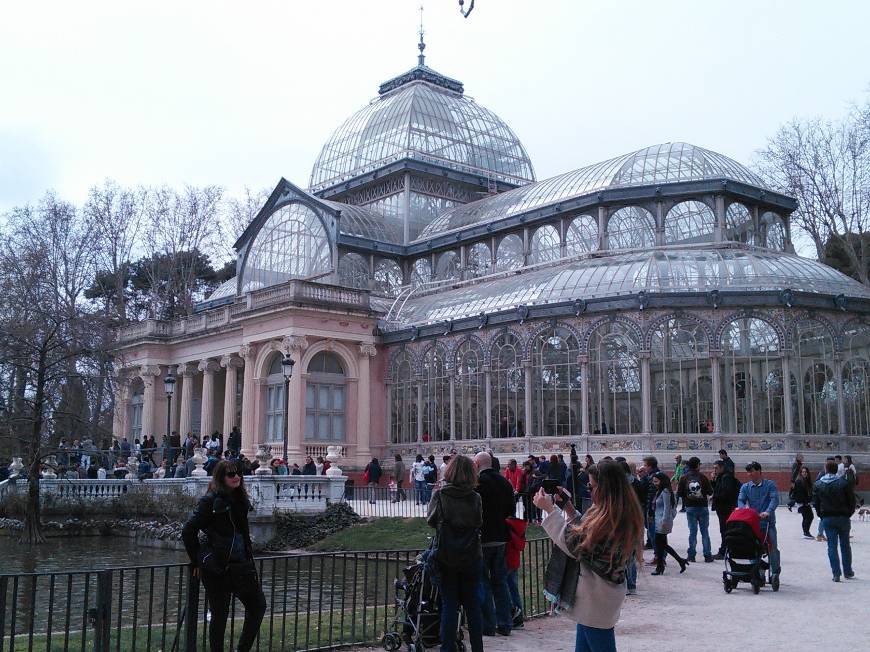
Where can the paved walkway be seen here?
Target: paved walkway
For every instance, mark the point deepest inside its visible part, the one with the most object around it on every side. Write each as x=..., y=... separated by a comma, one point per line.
x=692, y=613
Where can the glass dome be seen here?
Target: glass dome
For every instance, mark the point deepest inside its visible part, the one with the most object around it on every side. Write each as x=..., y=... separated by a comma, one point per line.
x=666, y=163
x=423, y=115
x=671, y=270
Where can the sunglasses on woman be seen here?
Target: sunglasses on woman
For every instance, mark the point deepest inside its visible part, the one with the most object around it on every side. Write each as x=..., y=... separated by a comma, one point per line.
x=230, y=474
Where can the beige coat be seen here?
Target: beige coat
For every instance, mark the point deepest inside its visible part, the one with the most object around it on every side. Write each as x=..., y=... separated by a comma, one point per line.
x=597, y=602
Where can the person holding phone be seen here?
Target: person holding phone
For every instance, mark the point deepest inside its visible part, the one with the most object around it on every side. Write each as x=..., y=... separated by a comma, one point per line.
x=225, y=562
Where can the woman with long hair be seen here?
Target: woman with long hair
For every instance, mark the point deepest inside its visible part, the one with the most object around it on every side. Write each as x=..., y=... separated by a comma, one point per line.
x=802, y=494
x=225, y=562
x=602, y=541
x=666, y=509
x=456, y=512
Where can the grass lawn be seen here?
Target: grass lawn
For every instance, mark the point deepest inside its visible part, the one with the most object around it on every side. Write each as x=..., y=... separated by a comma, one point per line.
x=389, y=534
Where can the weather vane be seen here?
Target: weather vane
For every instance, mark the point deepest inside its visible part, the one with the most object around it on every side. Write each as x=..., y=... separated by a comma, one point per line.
x=462, y=10
x=421, y=46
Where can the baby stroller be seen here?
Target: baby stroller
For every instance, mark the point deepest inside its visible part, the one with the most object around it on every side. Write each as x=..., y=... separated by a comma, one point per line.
x=417, y=620
x=746, y=552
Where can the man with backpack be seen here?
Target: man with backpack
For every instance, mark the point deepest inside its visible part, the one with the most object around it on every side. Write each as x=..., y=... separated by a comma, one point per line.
x=430, y=476
x=694, y=488
x=725, y=492
x=835, y=502
x=497, y=498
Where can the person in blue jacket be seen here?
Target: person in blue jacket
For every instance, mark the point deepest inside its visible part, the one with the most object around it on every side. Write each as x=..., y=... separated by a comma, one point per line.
x=762, y=496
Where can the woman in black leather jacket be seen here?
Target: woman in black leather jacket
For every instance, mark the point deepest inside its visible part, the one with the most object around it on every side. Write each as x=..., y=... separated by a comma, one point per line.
x=225, y=562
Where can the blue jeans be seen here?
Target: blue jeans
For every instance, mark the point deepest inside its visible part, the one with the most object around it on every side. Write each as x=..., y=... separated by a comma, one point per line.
x=514, y=589
x=495, y=595
x=837, y=529
x=631, y=574
x=420, y=490
x=592, y=639
x=460, y=588
x=774, y=550
x=698, y=516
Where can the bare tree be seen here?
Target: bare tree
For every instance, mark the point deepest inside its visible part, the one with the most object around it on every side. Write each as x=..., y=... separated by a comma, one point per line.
x=826, y=167
x=239, y=212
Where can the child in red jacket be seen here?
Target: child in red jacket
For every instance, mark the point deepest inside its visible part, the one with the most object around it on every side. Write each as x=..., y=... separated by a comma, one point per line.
x=513, y=553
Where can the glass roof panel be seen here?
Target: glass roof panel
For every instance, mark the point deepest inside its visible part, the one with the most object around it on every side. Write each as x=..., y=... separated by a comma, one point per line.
x=362, y=222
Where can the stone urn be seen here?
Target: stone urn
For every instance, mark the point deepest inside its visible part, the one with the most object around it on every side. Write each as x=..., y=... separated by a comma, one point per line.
x=199, y=459
x=333, y=456
x=132, y=467
x=15, y=467
x=50, y=464
x=264, y=457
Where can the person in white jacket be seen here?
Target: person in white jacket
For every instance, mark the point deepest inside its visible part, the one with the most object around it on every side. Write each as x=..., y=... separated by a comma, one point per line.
x=602, y=541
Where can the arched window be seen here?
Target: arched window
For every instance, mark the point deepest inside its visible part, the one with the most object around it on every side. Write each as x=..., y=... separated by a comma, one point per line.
x=546, y=244
x=470, y=391
x=751, y=378
x=509, y=254
x=774, y=230
x=448, y=266
x=436, y=395
x=582, y=235
x=689, y=222
x=325, y=398
x=856, y=379
x=556, y=384
x=614, y=384
x=292, y=243
x=479, y=259
x=680, y=376
x=353, y=271
x=388, y=277
x=137, y=402
x=421, y=272
x=814, y=362
x=631, y=227
x=508, y=383
x=738, y=224
x=403, y=400
x=276, y=401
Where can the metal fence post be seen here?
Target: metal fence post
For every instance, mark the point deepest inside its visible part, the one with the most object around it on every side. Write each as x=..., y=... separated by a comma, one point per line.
x=4, y=585
x=191, y=612
x=103, y=619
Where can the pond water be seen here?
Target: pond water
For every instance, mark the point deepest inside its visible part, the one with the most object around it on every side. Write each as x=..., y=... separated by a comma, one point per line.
x=64, y=554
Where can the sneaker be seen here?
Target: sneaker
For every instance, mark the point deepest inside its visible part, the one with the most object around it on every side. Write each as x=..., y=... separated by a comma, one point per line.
x=690, y=558
x=849, y=576
x=719, y=556
x=836, y=578
x=708, y=559
x=631, y=591
x=807, y=535
x=503, y=631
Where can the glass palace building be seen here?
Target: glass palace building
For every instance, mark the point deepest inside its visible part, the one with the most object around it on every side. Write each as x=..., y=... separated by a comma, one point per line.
x=435, y=295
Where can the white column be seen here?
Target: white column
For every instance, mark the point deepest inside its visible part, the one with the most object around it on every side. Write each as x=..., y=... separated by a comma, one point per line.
x=185, y=373
x=231, y=363
x=452, y=409
x=420, y=412
x=788, y=417
x=602, y=227
x=122, y=404
x=148, y=374
x=527, y=366
x=719, y=229
x=487, y=384
x=716, y=388
x=364, y=400
x=584, y=394
x=295, y=346
x=841, y=404
x=645, y=393
x=249, y=355
x=208, y=368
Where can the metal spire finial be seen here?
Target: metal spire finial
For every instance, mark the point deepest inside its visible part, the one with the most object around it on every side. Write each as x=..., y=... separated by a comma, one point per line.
x=421, y=58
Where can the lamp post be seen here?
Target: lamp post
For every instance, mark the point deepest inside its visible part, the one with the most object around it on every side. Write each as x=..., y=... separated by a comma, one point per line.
x=287, y=369
x=168, y=387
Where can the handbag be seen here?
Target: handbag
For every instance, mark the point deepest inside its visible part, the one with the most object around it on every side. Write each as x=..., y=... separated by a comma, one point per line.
x=365, y=477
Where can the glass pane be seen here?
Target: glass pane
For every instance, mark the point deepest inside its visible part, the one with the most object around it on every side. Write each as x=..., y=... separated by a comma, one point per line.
x=309, y=425
x=338, y=427
x=309, y=396
x=323, y=397
x=338, y=398
x=322, y=426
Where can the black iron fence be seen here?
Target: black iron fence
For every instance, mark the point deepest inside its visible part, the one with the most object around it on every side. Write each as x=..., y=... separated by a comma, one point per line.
x=315, y=602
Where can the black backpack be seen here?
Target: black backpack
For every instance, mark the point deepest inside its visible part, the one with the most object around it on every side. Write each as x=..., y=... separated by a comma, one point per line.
x=456, y=548
x=430, y=476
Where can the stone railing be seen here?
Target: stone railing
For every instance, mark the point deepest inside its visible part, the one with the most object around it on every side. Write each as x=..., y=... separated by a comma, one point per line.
x=294, y=291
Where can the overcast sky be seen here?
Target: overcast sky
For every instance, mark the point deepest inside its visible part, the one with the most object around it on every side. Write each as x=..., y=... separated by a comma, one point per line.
x=242, y=93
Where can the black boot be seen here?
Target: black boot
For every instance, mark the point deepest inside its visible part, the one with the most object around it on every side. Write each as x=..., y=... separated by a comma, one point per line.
x=660, y=569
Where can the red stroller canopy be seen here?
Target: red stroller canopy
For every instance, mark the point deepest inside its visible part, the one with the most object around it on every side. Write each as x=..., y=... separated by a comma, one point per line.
x=750, y=517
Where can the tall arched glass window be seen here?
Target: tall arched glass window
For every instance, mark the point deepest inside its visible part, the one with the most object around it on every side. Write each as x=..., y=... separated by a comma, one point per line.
x=447, y=266
x=479, y=259
x=856, y=379
x=689, y=222
x=470, y=391
x=509, y=254
x=276, y=401
x=813, y=365
x=546, y=245
x=508, y=384
x=353, y=271
x=738, y=224
x=421, y=272
x=751, y=378
x=436, y=395
x=388, y=277
x=403, y=400
x=614, y=383
x=774, y=229
x=556, y=384
x=325, y=398
x=682, y=391
x=137, y=402
x=631, y=227
x=292, y=243
x=582, y=235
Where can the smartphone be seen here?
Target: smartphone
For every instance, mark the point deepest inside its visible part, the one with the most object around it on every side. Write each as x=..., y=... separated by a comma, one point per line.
x=550, y=486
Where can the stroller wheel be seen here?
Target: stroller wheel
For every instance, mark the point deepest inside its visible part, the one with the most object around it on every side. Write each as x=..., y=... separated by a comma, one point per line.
x=391, y=641
x=774, y=583
x=728, y=587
